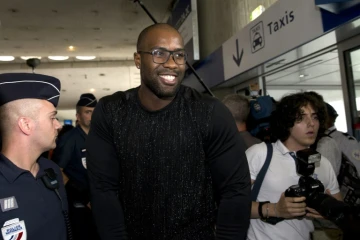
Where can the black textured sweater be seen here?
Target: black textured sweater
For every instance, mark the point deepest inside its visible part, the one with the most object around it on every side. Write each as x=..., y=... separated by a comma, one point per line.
x=169, y=174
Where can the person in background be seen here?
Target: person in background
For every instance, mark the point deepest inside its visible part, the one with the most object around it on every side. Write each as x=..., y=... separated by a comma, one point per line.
x=348, y=145
x=325, y=144
x=70, y=155
x=296, y=122
x=239, y=107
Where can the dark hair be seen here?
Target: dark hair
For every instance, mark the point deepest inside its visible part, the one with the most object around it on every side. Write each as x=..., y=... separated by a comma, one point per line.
x=320, y=100
x=238, y=105
x=288, y=111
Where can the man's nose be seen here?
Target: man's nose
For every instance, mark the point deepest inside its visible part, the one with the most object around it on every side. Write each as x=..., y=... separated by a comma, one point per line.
x=170, y=63
x=311, y=122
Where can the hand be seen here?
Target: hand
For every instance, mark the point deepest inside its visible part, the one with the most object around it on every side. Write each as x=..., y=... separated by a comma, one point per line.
x=312, y=213
x=290, y=207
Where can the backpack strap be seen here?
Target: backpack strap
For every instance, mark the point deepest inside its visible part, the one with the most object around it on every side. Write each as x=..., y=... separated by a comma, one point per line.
x=259, y=179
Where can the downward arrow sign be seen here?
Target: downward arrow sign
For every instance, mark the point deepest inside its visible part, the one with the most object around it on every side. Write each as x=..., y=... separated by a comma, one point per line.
x=238, y=58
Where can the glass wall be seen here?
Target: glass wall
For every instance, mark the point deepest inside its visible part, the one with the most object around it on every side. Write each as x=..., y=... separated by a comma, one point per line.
x=320, y=74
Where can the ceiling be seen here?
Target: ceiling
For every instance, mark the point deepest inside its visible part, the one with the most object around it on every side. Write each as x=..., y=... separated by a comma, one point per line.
x=107, y=29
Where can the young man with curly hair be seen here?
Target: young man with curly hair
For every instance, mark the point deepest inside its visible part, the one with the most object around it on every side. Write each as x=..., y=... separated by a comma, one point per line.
x=295, y=123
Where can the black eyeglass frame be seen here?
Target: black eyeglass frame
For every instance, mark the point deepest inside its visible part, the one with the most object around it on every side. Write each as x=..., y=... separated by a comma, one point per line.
x=165, y=50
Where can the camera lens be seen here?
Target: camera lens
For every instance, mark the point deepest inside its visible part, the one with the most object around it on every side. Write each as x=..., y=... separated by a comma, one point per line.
x=330, y=208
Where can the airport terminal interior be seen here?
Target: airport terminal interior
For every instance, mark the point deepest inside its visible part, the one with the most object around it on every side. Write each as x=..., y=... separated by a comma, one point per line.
x=89, y=46
x=253, y=48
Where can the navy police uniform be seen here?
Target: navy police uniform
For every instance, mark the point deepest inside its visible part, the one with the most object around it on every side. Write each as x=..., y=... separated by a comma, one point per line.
x=29, y=208
x=70, y=155
x=26, y=198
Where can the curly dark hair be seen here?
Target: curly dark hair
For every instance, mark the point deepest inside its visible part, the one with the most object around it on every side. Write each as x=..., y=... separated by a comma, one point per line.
x=288, y=111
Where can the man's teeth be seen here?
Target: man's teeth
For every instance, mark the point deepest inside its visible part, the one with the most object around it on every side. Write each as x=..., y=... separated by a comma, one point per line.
x=168, y=77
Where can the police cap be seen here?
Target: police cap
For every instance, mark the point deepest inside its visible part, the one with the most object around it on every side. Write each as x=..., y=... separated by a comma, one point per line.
x=15, y=86
x=87, y=100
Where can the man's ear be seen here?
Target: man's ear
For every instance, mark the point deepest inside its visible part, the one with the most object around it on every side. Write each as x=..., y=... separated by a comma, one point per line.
x=137, y=60
x=26, y=125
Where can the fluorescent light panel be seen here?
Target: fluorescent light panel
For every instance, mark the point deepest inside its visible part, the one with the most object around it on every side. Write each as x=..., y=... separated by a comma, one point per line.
x=85, y=57
x=58, y=58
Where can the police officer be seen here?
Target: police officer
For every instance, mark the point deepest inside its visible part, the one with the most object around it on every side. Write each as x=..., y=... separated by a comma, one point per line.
x=349, y=176
x=70, y=154
x=348, y=145
x=32, y=195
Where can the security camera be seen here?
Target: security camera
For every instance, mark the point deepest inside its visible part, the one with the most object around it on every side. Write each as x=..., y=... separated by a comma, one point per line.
x=33, y=63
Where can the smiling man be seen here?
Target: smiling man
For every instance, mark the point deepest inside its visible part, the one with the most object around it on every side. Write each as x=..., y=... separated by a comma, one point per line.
x=164, y=161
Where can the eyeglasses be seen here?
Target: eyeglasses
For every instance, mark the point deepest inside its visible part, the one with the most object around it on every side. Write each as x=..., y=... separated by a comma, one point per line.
x=161, y=56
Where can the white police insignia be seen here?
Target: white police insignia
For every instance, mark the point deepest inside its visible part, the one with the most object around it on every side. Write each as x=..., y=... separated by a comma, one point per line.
x=83, y=158
x=14, y=231
x=8, y=204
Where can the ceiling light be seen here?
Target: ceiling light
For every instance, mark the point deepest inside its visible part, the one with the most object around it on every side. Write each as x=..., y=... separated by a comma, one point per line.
x=6, y=58
x=303, y=75
x=28, y=57
x=85, y=57
x=92, y=90
x=257, y=12
x=71, y=48
x=58, y=58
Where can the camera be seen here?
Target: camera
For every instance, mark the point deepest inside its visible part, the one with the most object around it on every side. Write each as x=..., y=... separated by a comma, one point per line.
x=310, y=187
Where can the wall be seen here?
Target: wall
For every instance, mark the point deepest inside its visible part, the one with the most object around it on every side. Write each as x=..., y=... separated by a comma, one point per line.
x=221, y=19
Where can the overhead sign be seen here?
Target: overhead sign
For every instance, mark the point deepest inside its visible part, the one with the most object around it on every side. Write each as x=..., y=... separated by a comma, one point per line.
x=184, y=18
x=337, y=6
x=286, y=25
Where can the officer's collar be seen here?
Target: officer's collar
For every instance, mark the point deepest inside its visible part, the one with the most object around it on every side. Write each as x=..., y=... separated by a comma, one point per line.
x=9, y=170
x=82, y=132
x=331, y=129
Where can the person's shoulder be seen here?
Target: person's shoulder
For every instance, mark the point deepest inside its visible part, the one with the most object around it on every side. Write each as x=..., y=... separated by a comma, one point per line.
x=46, y=163
x=191, y=94
x=119, y=96
x=324, y=162
x=327, y=141
x=342, y=135
x=257, y=148
x=68, y=135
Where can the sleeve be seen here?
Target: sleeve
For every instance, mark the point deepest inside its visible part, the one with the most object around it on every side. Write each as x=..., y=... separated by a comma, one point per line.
x=103, y=172
x=256, y=156
x=328, y=148
x=62, y=190
x=225, y=150
x=63, y=151
x=330, y=182
x=351, y=149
